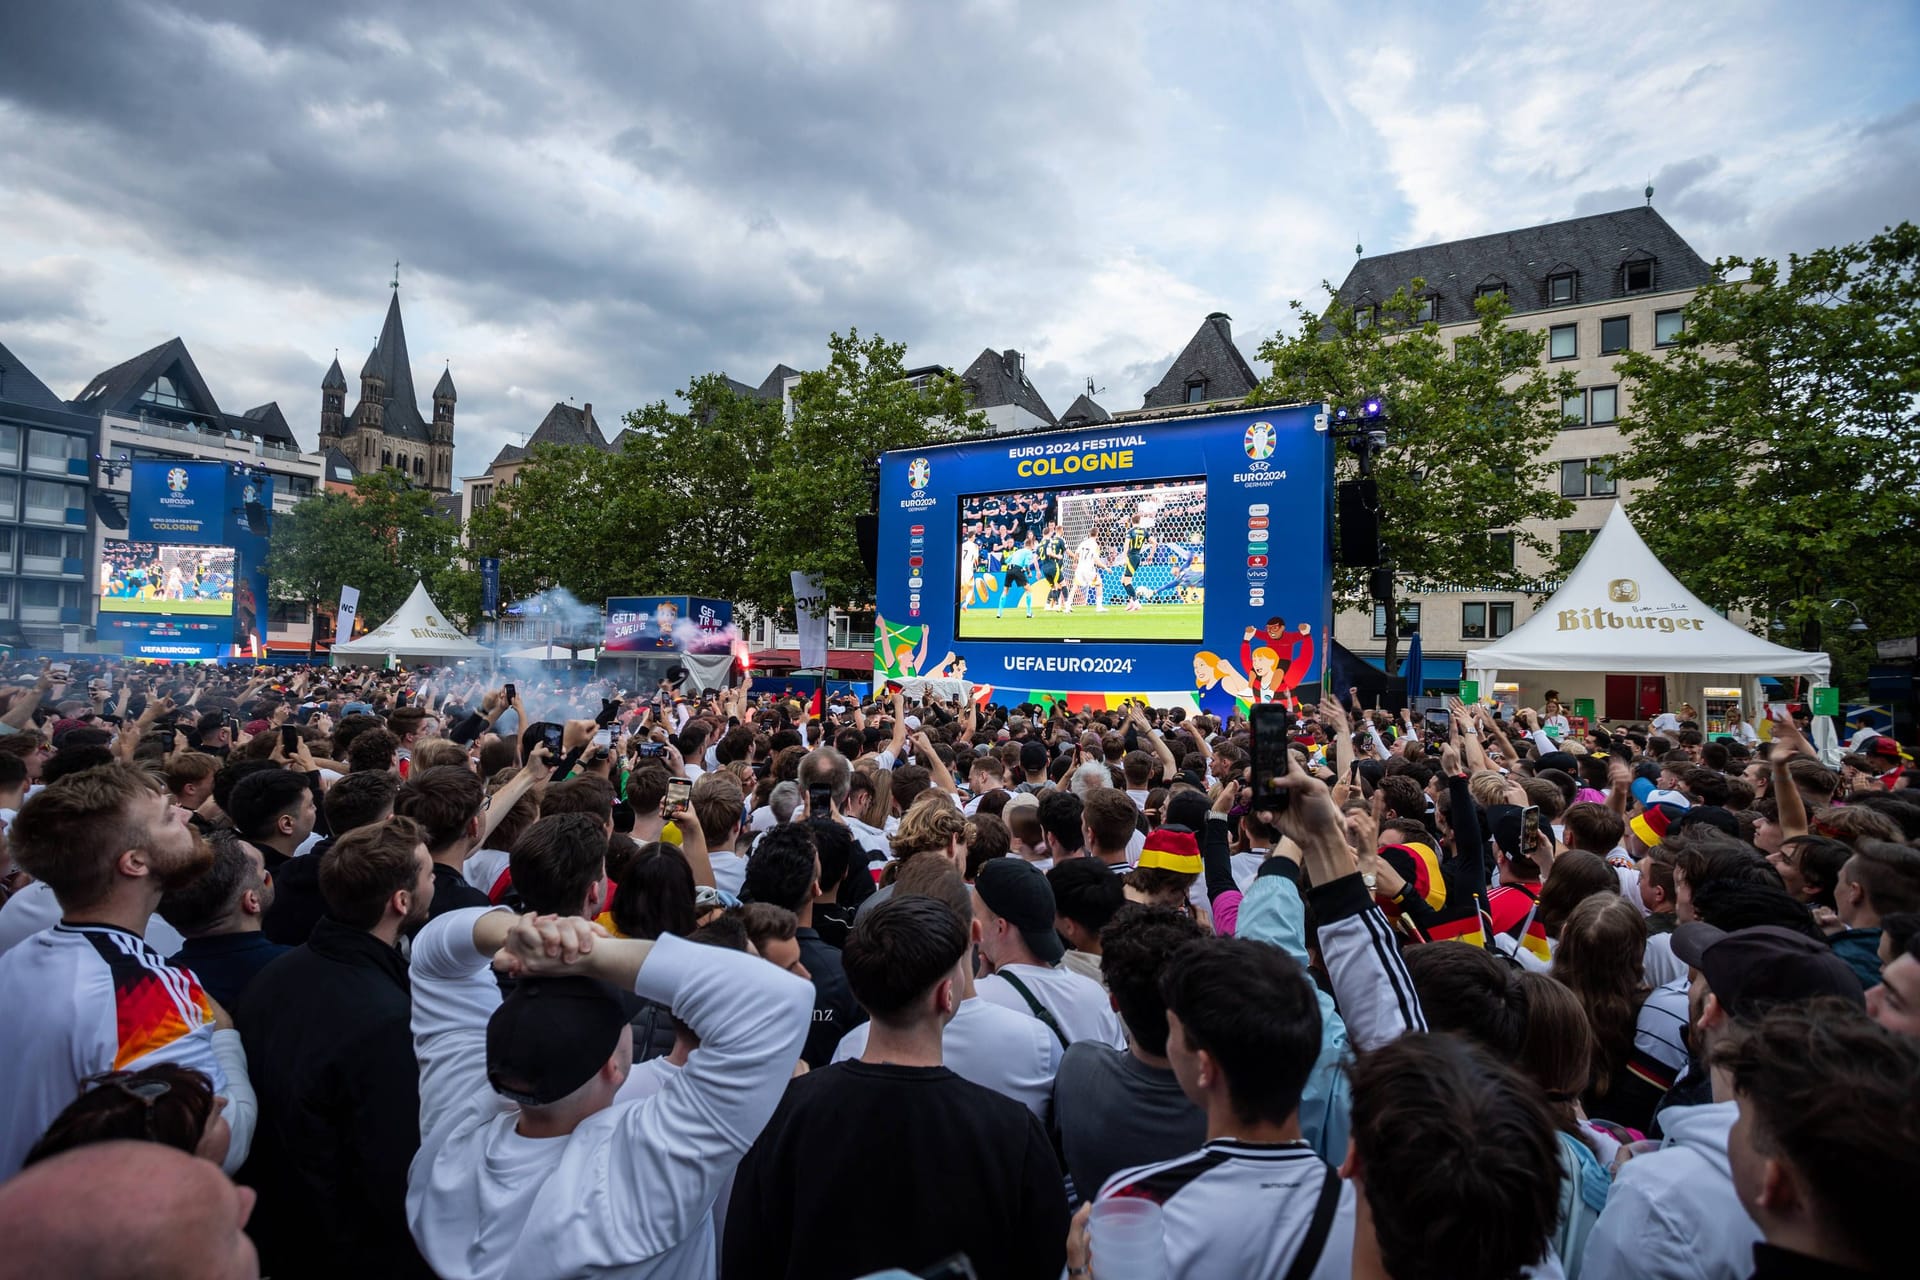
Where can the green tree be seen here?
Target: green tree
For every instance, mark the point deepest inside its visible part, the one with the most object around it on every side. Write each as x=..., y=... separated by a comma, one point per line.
x=1468, y=422
x=380, y=538
x=1780, y=436
x=818, y=474
x=568, y=521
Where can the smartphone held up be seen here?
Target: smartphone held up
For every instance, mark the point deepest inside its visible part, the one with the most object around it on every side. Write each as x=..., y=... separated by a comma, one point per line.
x=1269, y=723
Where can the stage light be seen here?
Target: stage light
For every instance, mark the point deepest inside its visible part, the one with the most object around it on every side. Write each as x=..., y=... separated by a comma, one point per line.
x=1342, y=413
x=1373, y=408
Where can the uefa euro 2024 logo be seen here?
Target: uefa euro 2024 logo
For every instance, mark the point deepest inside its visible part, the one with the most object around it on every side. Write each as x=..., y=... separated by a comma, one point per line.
x=919, y=472
x=1258, y=441
x=177, y=479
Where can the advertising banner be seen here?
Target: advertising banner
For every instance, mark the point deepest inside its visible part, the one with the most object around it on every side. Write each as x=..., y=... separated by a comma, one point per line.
x=178, y=502
x=810, y=608
x=1187, y=561
x=667, y=624
x=489, y=585
x=344, y=614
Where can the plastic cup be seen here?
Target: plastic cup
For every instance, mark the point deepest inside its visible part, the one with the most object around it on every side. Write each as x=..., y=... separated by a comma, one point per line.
x=1128, y=1239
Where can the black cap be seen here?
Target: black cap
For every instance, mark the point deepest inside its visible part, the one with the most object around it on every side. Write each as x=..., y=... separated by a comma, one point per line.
x=1751, y=970
x=550, y=1035
x=1017, y=891
x=1033, y=757
x=1711, y=816
x=1187, y=809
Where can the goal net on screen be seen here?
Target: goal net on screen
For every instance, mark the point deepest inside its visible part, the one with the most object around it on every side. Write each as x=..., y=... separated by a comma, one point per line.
x=1176, y=522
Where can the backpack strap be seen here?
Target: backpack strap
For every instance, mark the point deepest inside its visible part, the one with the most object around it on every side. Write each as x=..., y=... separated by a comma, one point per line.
x=1315, y=1242
x=1040, y=1011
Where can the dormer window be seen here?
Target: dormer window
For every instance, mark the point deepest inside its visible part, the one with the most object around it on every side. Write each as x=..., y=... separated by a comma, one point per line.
x=1365, y=315
x=1560, y=289
x=1196, y=391
x=1429, y=309
x=164, y=393
x=1491, y=289
x=1636, y=277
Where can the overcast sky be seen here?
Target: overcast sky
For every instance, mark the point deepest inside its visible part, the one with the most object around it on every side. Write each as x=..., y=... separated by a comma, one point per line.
x=597, y=201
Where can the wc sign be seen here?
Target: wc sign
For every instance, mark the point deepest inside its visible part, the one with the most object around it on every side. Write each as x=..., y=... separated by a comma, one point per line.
x=810, y=611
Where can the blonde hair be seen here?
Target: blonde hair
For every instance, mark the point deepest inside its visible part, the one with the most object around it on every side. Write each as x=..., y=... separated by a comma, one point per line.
x=1488, y=788
x=930, y=824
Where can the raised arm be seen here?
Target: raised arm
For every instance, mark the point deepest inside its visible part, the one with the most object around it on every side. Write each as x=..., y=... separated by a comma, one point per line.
x=1793, y=805
x=923, y=747
x=1169, y=767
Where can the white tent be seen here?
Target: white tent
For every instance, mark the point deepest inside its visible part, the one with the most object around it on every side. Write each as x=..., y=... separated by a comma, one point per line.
x=416, y=630
x=1621, y=611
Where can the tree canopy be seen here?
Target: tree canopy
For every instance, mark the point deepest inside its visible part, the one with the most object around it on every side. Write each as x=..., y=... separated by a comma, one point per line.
x=1781, y=439
x=380, y=538
x=1468, y=423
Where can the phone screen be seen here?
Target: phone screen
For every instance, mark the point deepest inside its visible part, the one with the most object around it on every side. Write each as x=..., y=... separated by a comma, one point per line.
x=1529, y=827
x=603, y=738
x=678, y=791
x=552, y=735
x=1269, y=756
x=511, y=695
x=289, y=738
x=819, y=801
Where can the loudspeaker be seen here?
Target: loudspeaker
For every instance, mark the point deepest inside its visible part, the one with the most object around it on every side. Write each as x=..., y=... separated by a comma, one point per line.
x=1358, y=509
x=111, y=514
x=257, y=519
x=866, y=531
x=1380, y=583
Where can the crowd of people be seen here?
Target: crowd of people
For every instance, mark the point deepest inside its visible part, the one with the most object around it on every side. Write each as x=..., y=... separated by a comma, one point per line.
x=386, y=973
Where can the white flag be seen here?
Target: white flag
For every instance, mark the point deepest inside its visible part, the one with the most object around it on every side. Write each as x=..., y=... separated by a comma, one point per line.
x=810, y=607
x=343, y=618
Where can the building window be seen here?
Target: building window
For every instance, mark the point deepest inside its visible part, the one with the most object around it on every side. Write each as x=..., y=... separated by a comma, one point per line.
x=1409, y=619
x=1636, y=277
x=1197, y=391
x=1573, y=478
x=1666, y=328
x=1492, y=289
x=1563, y=342
x=1503, y=549
x=49, y=501
x=1604, y=403
x=1473, y=620
x=9, y=446
x=1499, y=619
x=50, y=450
x=9, y=498
x=1615, y=335
x=1574, y=542
x=1573, y=409
x=1429, y=309
x=1560, y=289
x=1364, y=316
x=164, y=393
x=386, y=457
x=419, y=466
x=1600, y=478
x=45, y=544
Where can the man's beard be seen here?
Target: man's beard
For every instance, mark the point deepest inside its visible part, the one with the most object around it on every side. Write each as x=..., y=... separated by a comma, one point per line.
x=177, y=871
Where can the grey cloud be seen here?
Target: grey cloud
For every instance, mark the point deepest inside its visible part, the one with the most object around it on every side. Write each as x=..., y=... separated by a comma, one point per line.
x=40, y=292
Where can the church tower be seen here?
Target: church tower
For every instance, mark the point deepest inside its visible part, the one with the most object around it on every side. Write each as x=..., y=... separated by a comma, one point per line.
x=440, y=473
x=333, y=396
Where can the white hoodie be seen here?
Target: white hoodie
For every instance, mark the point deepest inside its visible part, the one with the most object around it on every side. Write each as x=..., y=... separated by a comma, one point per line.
x=1673, y=1213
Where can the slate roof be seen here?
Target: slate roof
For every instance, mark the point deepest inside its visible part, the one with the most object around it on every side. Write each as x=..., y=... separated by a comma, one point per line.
x=744, y=390
x=335, y=380
x=265, y=421
x=443, y=389
x=773, y=386
x=999, y=377
x=1594, y=248
x=389, y=362
x=1209, y=357
x=339, y=468
x=1084, y=412
x=19, y=386
x=118, y=390
x=564, y=424
x=447, y=506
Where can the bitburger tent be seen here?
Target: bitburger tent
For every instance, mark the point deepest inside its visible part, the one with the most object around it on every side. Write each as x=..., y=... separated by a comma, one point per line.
x=417, y=631
x=1621, y=611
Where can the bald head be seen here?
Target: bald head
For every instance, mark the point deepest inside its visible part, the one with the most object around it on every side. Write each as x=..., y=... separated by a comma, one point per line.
x=116, y=1209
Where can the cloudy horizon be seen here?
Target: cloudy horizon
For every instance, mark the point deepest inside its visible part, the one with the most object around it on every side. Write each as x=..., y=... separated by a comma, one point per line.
x=599, y=202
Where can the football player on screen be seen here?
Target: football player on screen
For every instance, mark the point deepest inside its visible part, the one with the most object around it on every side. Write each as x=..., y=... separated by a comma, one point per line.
x=1053, y=563
x=1136, y=548
x=1086, y=574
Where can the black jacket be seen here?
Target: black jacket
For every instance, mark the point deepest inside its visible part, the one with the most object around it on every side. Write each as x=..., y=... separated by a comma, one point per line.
x=330, y=1053
x=297, y=904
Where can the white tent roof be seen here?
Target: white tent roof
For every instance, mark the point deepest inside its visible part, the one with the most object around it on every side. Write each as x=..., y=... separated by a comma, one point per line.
x=1621, y=611
x=417, y=629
